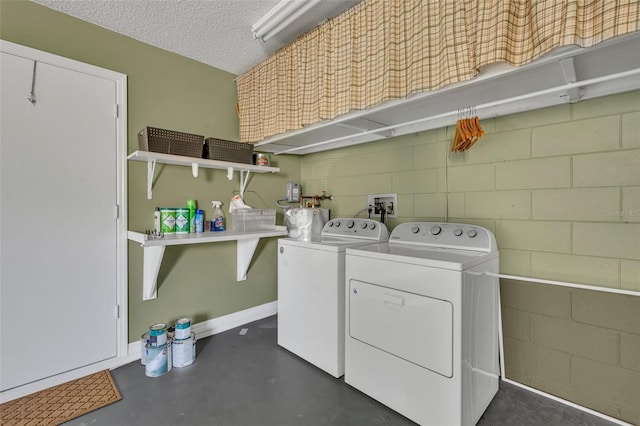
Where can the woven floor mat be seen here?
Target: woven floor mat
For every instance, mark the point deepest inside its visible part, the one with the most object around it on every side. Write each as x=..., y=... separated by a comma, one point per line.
x=61, y=403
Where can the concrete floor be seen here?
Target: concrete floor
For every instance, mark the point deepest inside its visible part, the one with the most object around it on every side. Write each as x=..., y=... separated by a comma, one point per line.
x=248, y=380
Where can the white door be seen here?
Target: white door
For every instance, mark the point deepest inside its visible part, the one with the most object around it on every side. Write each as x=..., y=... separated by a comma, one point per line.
x=58, y=239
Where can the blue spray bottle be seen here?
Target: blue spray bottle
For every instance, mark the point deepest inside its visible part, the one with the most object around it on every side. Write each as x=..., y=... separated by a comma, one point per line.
x=217, y=220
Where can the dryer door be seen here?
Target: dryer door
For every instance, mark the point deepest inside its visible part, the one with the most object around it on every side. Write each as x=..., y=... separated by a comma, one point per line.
x=416, y=328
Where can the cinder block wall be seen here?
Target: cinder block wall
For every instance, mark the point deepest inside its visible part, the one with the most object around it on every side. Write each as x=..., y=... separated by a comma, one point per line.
x=560, y=188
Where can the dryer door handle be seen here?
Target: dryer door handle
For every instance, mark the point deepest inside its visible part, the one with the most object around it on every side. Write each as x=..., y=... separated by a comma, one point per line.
x=393, y=300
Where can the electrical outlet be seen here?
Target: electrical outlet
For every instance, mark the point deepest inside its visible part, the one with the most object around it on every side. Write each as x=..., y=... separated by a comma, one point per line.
x=388, y=202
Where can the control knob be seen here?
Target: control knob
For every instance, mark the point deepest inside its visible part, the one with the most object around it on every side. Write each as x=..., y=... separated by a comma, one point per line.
x=350, y=224
x=337, y=223
x=457, y=232
x=435, y=230
x=372, y=226
x=472, y=233
x=363, y=226
x=415, y=229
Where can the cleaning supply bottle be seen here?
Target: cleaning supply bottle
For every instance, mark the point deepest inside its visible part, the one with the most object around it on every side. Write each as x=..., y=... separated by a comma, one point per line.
x=217, y=220
x=191, y=204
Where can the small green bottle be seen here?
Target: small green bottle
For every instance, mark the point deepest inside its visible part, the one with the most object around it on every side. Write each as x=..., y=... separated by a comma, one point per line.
x=191, y=205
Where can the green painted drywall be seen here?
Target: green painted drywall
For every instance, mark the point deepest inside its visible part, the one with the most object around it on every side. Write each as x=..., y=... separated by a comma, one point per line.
x=169, y=91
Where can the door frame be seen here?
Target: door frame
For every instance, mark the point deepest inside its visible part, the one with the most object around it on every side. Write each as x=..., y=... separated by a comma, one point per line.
x=120, y=109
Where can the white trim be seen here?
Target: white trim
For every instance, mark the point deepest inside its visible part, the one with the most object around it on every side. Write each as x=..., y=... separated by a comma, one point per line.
x=202, y=330
x=569, y=403
x=559, y=283
x=59, y=61
x=220, y=324
x=566, y=284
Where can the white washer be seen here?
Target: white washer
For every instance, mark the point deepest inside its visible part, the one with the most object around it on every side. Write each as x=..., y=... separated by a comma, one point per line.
x=422, y=322
x=311, y=290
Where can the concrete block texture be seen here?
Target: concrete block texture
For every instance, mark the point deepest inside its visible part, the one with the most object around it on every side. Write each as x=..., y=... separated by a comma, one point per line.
x=580, y=204
x=630, y=274
x=531, y=174
x=569, y=336
x=536, y=298
x=618, y=168
x=428, y=156
x=515, y=262
x=598, y=271
x=613, y=311
x=609, y=105
x=630, y=351
x=560, y=188
x=537, y=361
x=415, y=181
x=631, y=130
x=617, y=240
x=471, y=178
x=610, y=383
x=590, y=135
x=515, y=324
x=585, y=399
x=498, y=205
x=630, y=205
x=534, y=235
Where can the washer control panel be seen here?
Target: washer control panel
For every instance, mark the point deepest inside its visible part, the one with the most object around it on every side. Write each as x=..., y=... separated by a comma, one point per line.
x=445, y=235
x=356, y=228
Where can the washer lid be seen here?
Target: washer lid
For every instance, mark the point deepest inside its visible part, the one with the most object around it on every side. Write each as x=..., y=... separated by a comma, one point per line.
x=326, y=243
x=443, y=258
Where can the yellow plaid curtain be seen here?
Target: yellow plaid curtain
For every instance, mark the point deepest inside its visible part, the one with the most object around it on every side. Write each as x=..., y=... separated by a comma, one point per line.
x=388, y=49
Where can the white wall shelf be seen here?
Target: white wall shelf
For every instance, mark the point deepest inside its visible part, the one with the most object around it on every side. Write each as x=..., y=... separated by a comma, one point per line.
x=154, y=251
x=153, y=158
x=564, y=75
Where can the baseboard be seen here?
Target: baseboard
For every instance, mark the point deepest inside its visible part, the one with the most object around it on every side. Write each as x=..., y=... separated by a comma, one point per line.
x=202, y=330
x=569, y=403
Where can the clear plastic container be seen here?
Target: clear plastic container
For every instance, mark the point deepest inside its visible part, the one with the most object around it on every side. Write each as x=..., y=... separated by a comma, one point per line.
x=245, y=220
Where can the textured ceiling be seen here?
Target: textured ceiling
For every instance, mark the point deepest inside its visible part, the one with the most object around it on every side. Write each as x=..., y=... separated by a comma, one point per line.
x=215, y=32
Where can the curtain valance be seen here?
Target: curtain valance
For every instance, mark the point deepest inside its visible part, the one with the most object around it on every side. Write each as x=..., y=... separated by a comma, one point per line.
x=389, y=49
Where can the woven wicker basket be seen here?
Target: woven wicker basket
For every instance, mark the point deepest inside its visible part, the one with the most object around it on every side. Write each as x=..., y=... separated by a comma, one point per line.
x=170, y=142
x=222, y=150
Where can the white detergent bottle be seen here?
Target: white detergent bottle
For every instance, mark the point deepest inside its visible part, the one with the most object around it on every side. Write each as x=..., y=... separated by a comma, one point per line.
x=217, y=221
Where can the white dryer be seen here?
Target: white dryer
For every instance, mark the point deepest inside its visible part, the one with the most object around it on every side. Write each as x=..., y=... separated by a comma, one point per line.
x=422, y=322
x=311, y=290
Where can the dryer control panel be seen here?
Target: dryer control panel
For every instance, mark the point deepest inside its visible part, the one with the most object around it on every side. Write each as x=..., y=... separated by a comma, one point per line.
x=445, y=235
x=356, y=228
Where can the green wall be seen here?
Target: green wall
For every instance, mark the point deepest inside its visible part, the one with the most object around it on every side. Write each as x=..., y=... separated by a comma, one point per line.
x=560, y=188
x=169, y=91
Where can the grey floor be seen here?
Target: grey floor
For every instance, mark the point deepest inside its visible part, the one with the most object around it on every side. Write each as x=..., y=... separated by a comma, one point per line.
x=248, y=380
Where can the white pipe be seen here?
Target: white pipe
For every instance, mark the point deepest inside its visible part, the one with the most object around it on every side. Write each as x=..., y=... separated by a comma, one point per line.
x=551, y=90
x=569, y=403
x=561, y=283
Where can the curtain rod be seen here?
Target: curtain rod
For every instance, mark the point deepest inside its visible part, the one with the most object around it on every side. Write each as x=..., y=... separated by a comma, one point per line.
x=551, y=90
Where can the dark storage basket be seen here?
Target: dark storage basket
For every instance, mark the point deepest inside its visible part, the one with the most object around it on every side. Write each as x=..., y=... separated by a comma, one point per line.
x=235, y=152
x=170, y=142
